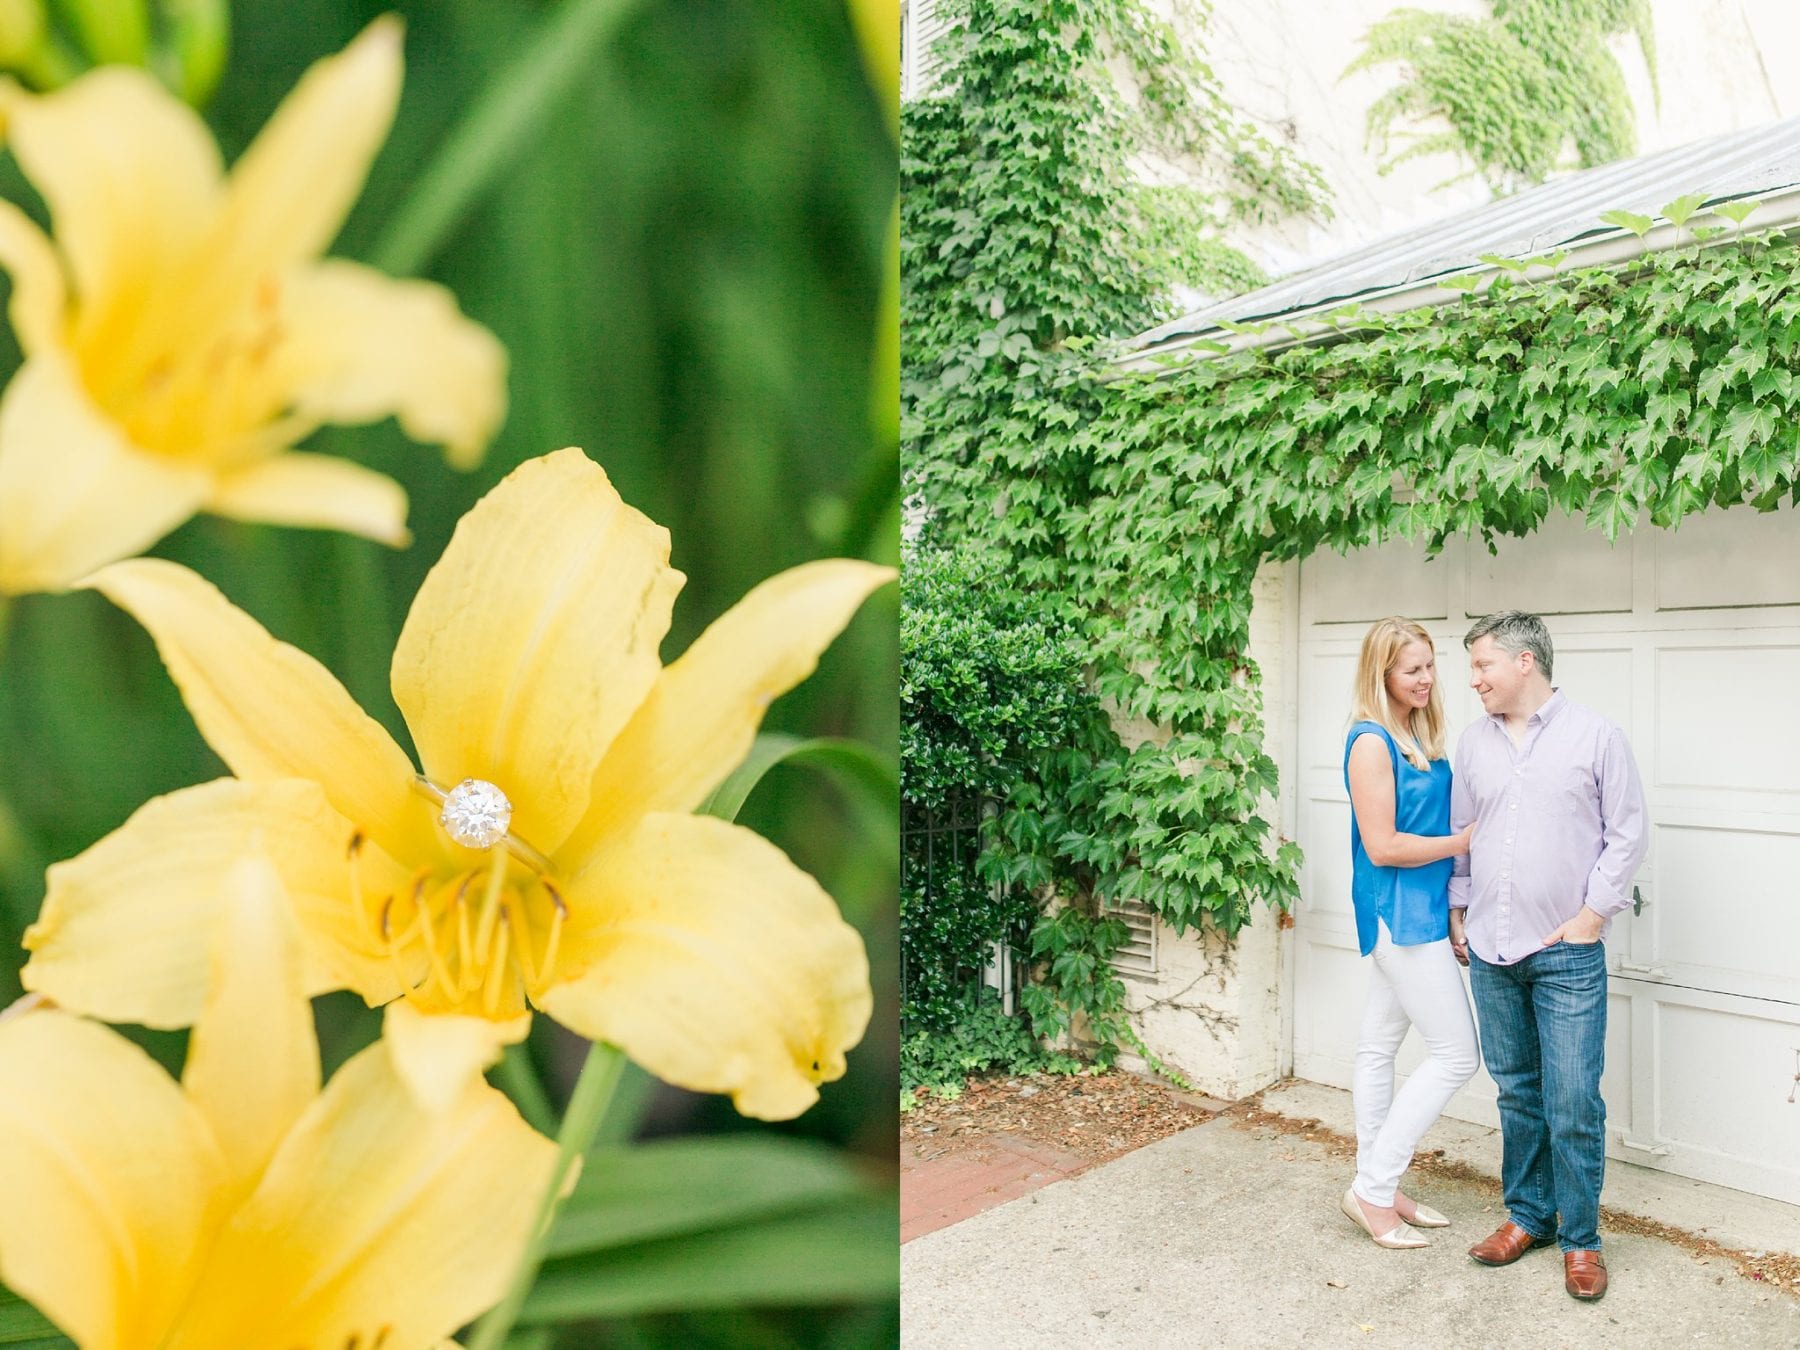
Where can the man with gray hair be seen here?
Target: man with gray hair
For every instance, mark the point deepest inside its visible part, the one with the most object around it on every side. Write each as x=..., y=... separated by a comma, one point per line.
x=1560, y=828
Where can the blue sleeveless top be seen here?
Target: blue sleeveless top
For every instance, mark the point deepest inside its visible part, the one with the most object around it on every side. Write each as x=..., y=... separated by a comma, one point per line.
x=1414, y=902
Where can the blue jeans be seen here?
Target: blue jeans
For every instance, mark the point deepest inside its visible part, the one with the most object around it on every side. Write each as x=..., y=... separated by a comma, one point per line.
x=1543, y=1037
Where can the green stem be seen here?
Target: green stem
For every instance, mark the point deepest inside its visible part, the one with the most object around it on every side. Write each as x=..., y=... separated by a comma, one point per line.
x=510, y=115
x=519, y=1080
x=587, y=1108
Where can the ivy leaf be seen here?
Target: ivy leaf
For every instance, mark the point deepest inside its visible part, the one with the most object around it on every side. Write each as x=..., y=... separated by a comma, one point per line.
x=1629, y=220
x=1664, y=408
x=1736, y=212
x=1749, y=424
x=1678, y=211
x=1612, y=512
x=1773, y=380
x=1663, y=353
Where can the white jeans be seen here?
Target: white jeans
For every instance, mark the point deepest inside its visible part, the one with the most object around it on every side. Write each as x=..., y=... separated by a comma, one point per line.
x=1419, y=986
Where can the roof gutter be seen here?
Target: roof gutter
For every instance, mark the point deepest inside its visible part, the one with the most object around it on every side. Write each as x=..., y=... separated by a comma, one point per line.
x=1314, y=323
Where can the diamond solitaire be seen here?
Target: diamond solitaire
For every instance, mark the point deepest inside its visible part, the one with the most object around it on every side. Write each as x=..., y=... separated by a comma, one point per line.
x=476, y=814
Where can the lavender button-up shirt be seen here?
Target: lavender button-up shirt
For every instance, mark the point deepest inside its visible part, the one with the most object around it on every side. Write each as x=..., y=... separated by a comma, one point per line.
x=1559, y=822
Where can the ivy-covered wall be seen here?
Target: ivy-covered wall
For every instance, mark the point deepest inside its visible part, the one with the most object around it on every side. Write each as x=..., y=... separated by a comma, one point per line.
x=1140, y=509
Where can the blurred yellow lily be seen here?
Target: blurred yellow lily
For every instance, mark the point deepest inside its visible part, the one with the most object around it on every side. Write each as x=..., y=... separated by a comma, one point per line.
x=244, y=1207
x=183, y=333
x=563, y=755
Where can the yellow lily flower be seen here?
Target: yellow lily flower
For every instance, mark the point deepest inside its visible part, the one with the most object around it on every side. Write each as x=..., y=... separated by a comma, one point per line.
x=244, y=1206
x=182, y=333
x=545, y=856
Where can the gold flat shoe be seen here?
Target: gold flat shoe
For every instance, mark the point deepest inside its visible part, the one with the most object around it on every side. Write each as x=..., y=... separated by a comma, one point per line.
x=1424, y=1216
x=1401, y=1235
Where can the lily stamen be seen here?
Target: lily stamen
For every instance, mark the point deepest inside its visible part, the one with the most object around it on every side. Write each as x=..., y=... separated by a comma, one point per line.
x=558, y=913
x=496, y=971
x=427, y=926
x=521, y=935
x=354, y=855
x=490, y=907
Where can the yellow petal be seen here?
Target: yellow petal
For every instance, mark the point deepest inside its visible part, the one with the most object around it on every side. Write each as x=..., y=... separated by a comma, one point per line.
x=533, y=639
x=377, y=1213
x=129, y=927
x=701, y=718
x=106, y=1180
x=131, y=176
x=253, y=1058
x=38, y=296
x=292, y=188
x=315, y=490
x=73, y=493
x=269, y=709
x=359, y=346
x=438, y=1055
x=714, y=962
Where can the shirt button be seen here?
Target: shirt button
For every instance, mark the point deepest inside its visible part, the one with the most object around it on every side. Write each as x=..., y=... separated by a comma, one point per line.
x=1513, y=807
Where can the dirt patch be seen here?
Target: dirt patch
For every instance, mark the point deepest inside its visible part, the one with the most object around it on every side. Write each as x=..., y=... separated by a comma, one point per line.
x=1778, y=1270
x=1093, y=1115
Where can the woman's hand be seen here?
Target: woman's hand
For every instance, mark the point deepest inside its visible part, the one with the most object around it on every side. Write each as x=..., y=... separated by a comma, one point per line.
x=1465, y=837
x=1458, y=942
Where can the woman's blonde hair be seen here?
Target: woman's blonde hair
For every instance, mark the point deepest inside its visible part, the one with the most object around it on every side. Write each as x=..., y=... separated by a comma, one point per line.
x=1381, y=648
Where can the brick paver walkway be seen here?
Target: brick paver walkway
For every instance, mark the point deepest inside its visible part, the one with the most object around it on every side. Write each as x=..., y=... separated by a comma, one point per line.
x=937, y=1192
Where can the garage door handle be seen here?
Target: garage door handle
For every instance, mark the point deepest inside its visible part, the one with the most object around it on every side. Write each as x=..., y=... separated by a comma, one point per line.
x=1637, y=902
x=1648, y=972
x=1654, y=1150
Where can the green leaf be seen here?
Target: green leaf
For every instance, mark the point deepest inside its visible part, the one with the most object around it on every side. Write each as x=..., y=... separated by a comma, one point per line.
x=860, y=770
x=507, y=117
x=1629, y=220
x=1747, y=425
x=1736, y=212
x=23, y=1327
x=842, y=1254
x=646, y=1192
x=1678, y=211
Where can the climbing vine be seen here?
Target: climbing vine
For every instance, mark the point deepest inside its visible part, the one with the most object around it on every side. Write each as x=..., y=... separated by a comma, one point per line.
x=1137, y=509
x=1024, y=232
x=1523, y=92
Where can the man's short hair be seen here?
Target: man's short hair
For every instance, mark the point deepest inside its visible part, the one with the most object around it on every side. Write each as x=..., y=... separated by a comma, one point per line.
x=1515, y=631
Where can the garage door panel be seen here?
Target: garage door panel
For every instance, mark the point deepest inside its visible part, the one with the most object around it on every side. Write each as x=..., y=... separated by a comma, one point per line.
x=1372, y=583
x=1326, y=873
x=1599, y=676
x=1715, y=889
x=1724, y=1070
x=1725, y=719
x=1736, y=558
x=1332, y=973
x=1323, y=723
x=1532, y=573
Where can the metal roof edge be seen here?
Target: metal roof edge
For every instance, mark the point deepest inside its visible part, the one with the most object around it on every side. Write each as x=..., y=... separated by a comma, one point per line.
x=1778, y=210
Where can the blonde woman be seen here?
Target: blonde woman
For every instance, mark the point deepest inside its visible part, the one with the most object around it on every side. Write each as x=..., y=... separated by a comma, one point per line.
x=1401, y=850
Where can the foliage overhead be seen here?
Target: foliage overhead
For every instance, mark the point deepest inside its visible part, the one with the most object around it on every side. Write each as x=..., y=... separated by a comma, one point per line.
x=1528, y=90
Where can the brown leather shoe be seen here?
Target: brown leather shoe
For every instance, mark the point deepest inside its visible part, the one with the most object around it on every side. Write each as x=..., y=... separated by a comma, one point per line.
x=1507, y=1244
x=1584, y=1274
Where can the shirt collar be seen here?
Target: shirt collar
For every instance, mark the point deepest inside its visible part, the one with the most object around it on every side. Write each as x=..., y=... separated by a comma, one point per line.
x=1543, y=716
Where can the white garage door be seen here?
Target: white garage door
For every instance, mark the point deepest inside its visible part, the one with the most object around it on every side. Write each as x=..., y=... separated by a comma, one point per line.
x=1690, y=640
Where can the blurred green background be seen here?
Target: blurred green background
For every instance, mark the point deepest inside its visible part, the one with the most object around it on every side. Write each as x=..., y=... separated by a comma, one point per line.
x=685, y=264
